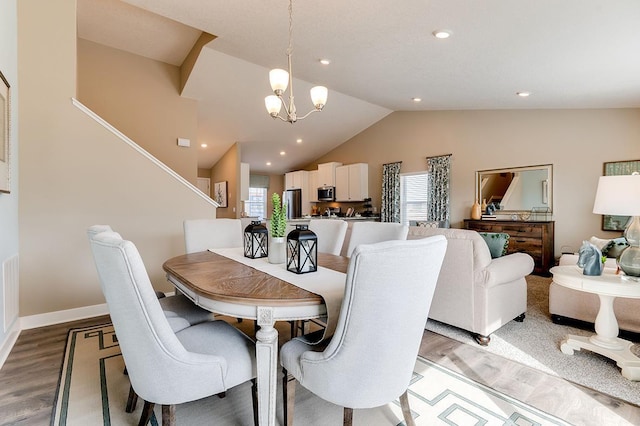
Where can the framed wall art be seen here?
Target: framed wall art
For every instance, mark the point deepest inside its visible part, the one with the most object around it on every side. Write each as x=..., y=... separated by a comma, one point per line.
x=4, y=134
x=617, y=168
x=220, y=193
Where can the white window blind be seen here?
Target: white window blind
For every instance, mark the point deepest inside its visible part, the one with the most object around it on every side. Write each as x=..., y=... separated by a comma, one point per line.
x=414, y=197
x=256, y=206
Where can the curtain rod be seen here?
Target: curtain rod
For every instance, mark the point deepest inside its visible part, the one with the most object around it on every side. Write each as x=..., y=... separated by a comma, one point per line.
x=437, y=156
x=394, y=162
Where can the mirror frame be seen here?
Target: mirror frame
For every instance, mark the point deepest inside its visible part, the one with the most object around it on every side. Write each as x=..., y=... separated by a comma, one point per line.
x=549, y=186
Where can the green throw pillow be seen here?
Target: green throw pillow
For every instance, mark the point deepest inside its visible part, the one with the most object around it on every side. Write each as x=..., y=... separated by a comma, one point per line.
x=497, y=242
x=615, y=248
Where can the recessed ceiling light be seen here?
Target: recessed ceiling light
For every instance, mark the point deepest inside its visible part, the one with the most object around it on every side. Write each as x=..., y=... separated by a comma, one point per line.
x=299, y=140
x=441, y=34
x=416, y=100
x=203, y=145
x=523, y=94
x=282, y=153
x=325, y=61
x=268, y=163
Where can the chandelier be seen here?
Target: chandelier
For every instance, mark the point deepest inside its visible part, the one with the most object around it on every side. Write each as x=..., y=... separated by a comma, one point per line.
x=280, y=79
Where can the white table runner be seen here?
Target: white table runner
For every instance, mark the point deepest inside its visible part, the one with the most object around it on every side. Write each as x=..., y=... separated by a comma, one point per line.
x=327, y=283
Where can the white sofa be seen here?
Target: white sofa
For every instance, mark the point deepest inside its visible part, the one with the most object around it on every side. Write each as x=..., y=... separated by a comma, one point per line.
x=474, y=291
x=565, y=303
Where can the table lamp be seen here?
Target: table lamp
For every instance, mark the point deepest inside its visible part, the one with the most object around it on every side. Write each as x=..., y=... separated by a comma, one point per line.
x=620, y=196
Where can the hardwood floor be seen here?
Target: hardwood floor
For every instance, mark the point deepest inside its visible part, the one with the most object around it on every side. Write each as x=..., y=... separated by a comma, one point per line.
x=573, y=403
x=29, y=378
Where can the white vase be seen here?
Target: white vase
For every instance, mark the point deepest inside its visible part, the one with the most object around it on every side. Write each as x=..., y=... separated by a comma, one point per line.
x=277, y=250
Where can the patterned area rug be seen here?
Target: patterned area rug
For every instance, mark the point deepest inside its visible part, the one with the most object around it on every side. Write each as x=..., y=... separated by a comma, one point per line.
x=535, y=342
x=93, y=390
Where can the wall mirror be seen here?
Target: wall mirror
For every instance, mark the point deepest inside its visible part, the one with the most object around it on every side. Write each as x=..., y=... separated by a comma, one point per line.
x=517, y=189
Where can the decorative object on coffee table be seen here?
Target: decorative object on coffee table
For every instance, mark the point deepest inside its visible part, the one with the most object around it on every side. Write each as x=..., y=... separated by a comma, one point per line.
x=620, y=196
x=590, y=259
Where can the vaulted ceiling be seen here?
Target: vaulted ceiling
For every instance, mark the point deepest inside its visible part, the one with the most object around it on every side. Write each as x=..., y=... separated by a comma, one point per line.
x=567, y=54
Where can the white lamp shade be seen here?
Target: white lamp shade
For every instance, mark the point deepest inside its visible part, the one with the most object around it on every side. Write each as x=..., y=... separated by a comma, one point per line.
x=319, y=96
x=273, y=104
x=279, y=80
x=618, y=195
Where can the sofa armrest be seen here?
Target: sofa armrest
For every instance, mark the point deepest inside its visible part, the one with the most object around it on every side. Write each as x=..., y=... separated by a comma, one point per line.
x=508, y=268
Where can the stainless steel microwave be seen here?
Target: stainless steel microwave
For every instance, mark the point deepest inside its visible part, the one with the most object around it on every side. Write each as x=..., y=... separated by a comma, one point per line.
x=327, y=193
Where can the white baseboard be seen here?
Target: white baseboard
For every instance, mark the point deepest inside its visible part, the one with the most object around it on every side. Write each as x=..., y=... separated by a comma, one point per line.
x=7, y=345
x=42, y=320
x=51, y=318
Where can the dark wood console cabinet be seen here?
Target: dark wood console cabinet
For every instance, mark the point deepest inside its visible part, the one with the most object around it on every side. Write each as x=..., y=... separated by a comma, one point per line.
x=533, y=238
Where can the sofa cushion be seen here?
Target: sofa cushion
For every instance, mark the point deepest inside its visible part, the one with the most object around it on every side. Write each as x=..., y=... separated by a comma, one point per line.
x=427, y=224
x=498, y=243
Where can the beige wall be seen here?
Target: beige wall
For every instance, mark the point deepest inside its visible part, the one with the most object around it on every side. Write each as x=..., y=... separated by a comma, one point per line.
x=576, y=142
x=228, y=169
x=140, y=97
x=74, y=173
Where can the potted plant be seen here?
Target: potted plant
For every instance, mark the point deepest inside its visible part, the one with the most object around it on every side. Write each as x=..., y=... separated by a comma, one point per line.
x=277, y=245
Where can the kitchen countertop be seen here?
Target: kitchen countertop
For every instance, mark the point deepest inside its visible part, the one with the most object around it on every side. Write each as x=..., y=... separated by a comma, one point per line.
x=306, y=219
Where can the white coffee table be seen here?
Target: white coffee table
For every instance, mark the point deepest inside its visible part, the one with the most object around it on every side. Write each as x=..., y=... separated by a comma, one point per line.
x=606, y=342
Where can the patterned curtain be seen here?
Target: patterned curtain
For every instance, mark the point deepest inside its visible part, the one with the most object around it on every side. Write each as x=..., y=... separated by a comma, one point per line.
x=390, y=209
x=439, y=169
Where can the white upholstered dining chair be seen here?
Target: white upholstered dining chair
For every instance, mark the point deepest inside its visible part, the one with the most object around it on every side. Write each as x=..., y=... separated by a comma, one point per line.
x=388, y=293
x=330, y=233
x=375, y=232
x=179, y=310
x=203, y=234
x=165, y=367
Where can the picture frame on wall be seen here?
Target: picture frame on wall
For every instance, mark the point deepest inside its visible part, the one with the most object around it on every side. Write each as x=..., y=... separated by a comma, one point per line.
x=220, y=193
x=617, y=168
x=5, y=116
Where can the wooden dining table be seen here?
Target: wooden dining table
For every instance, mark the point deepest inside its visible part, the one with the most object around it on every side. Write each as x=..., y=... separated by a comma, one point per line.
x=226, y=286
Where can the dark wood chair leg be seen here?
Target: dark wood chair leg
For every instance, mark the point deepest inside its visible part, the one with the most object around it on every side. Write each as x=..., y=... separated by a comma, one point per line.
x=347, y=417
x=288, y=396
x=168, y=415
x=254, y=399
x=481, y=340
x=406, y=410
x=132, y=400
x=147, y=411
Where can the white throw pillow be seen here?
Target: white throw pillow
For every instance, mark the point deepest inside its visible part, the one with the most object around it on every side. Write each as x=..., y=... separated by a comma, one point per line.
x=599, y=242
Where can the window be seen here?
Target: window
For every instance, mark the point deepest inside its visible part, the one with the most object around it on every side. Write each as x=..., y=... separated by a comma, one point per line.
x=256, y=206
x=414, y=197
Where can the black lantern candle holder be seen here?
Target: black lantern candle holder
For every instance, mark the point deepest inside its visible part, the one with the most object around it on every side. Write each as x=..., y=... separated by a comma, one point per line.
x=302, y=250
x=256, y=240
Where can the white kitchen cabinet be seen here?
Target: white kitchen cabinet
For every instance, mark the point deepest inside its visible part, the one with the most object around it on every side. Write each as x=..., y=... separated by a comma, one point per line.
x=313, y=186
x=327, y=174
x=352, y=182
x=296, y=180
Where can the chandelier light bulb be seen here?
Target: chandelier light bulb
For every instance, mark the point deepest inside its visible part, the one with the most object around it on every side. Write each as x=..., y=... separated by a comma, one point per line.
x=273, y=104
x=319, y=96
x=279, y=80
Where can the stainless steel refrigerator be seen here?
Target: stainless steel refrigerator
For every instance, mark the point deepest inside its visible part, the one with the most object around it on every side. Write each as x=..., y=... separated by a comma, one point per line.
x=293, y=198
